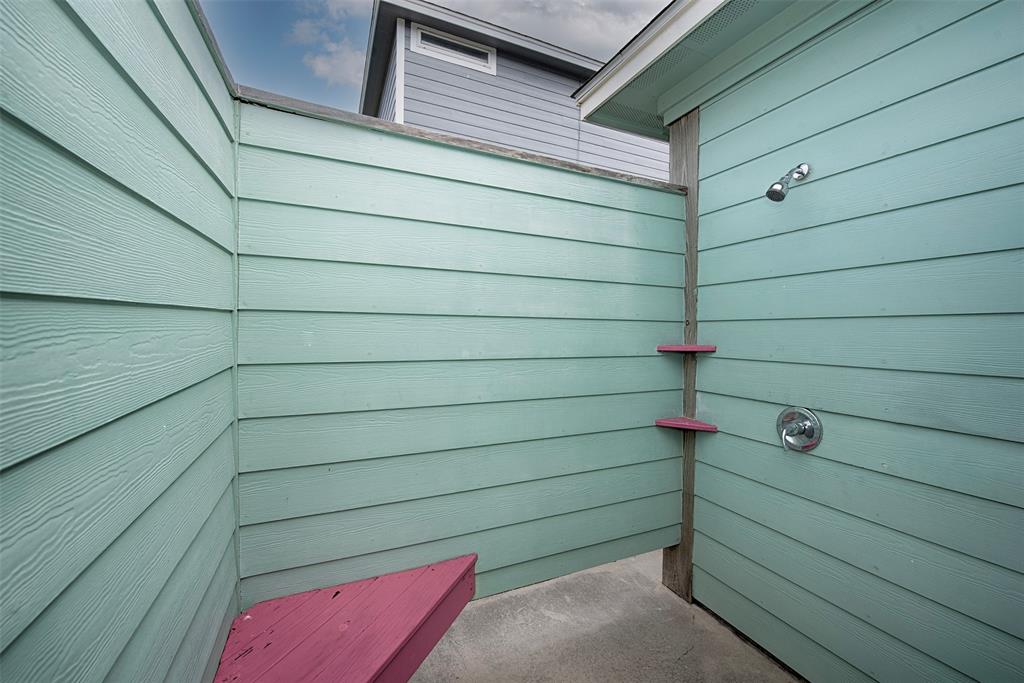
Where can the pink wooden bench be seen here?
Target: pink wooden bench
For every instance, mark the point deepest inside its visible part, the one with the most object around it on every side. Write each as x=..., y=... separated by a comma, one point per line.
x=378, y=629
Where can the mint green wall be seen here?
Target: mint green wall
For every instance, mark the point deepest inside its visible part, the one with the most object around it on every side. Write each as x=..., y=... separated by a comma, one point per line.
x=885, y=293
x=443, y=351
x=117, y=510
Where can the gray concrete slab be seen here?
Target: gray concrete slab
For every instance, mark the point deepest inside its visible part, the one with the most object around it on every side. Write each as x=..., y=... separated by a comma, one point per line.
x=613, y=623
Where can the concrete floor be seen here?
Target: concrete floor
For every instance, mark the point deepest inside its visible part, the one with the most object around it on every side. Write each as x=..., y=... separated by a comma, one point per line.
x=611, y=623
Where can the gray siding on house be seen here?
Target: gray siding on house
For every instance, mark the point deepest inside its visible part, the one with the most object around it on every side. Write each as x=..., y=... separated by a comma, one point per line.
x=524, y=106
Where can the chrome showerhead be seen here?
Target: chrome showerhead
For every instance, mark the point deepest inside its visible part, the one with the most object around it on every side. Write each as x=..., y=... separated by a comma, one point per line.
x=778, y=190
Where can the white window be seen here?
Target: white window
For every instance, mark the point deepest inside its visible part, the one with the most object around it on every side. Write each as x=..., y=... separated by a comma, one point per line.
x=445, y=46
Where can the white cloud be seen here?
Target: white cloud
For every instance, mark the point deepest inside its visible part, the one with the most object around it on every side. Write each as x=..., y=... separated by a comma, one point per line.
x=596, y=28
x=340, y=9
x=337, y=63
x=332, y=57
x=307, y=32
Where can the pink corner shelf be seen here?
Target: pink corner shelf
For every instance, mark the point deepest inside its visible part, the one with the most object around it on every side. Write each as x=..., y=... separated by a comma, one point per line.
x=687, y=348
x=686, y=423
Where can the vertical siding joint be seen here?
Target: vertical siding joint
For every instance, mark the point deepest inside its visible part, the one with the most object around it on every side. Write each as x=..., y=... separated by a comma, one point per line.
x=237, y=109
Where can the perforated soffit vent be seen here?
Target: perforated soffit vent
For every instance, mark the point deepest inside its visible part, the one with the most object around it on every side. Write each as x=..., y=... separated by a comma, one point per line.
x=719, y=21
x=693, y=49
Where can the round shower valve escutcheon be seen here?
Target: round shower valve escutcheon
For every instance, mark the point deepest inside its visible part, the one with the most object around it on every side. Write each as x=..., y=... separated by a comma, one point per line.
x=799, y=428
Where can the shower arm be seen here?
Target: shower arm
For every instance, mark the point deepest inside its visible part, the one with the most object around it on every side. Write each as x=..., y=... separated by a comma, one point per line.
x=780, y=188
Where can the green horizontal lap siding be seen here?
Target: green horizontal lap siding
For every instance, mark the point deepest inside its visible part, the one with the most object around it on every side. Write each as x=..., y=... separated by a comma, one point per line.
x=443, y=351
x=73, y=365
x=270, y=129
x=268, y=283
x=772, y=633
x=885, y=293
x=188, y=36
x=277, y=176
x=907, y=68
x=198, y=656
x=269, y=337
x=301, y=491
x=177, y=607
x=920, y=454
x=117, y=509
x=501, y=549
x=361, y=238
x=269, y=390
x=986, y=407
x=104, y=479
x=960, y=344
x=295, y=542
x=87, y=628
x=578, y=559
x=931, y=230
x=983, y=591
x=277, y=442
x=51, y=251
x=937, y=515
x=50, y=89
x=924, y=624
x=167, y=83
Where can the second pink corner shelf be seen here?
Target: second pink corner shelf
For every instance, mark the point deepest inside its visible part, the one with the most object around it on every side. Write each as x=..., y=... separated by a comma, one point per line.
x=686, y=423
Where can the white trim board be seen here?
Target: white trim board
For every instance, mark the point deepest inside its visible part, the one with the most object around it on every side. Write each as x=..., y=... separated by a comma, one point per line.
x=417, y=45
x=400, y=70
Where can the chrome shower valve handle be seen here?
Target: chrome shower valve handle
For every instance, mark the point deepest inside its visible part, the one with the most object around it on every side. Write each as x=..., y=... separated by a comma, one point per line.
x=799, y=429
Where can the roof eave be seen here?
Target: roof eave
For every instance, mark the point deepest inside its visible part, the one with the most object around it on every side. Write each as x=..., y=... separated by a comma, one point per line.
x=666, y=30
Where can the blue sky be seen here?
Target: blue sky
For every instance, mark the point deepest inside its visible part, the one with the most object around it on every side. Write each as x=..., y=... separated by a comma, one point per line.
x=314, y=49
x=309, y=50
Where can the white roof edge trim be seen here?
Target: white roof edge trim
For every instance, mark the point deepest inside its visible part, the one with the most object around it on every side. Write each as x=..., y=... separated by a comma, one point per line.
x=675, y=23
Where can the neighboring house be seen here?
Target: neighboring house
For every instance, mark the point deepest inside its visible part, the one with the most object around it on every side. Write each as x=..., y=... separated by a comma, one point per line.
x=459, y=75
